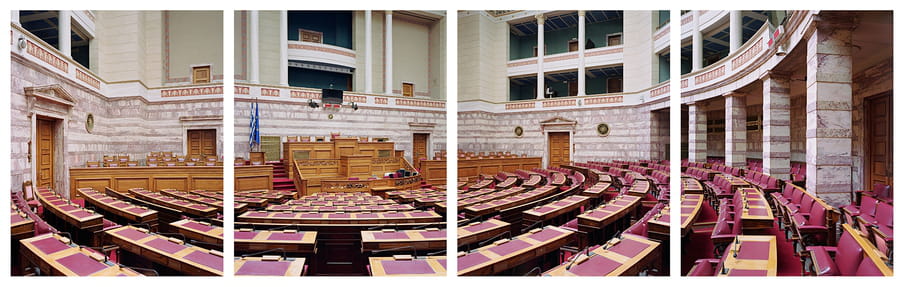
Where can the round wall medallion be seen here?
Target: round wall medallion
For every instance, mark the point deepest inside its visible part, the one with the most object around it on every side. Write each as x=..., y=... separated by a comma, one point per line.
x=89, y=123
x=519, y=131
x=330, y=116
x=602, y=129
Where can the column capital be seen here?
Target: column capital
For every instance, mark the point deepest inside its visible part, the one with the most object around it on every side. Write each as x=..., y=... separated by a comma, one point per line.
x=388, y=12
x=778, y=75
x=734, y=94
x=582, y=13
x=540, y=18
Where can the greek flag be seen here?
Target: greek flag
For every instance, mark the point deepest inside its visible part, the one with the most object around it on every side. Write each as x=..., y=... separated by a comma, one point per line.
x=255, y=136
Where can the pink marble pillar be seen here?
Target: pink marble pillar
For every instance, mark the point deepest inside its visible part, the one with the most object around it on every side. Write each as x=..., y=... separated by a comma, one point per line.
x=829, y=102
x=696, y=134
x=735, y=129
x=777, y=125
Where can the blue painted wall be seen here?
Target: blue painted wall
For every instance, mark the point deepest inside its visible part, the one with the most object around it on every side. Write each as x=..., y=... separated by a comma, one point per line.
x=335, y=25
x=317, y=79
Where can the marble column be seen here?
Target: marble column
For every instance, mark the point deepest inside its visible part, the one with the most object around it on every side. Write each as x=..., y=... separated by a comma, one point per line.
x=387, y=85
x=254, y=50
x=541, y=19
x=65, y=32
x=581, y=39
x=696, y=133
x=829, y=105
x=735, y=30
x=696, y=43
x=368, y=52
x=777, y=125
x=283, y=48
x=735, y=129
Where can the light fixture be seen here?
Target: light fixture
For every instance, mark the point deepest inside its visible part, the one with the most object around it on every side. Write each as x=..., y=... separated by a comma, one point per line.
x=780, y=51
x=313, y=104
x=22, y=43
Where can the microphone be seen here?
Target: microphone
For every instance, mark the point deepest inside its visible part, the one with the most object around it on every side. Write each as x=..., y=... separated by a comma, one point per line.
x=414, y=255
x=283, y=251
x=95, y=248
x=539, y=271
x=576, y=255
x=437, y=252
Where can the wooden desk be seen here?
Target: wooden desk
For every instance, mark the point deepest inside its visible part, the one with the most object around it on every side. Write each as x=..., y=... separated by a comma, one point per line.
x=628, y=257
x=433, y=171
x=184, y=206
x=422, y=240
x=257, y=266
x=506, y=254
x=508, y=182
x=510, y=201
x=658, y=225
x=756, y=256
x=57, y=258
x=735, y=182
x=209, y=194
x=599, y=218
x=330, y=208
x=389, y=266
x=475, y=167
x=691, y=205
x=253, y=177
x=239, y=208
x=691, y=185
x=294, y=242
x=481, y=185
x=187, y=259
x=554, y=209
x=82, y=221
x=132, y=213
x=376, y=218
x=146, y=177
x=596, y=191
x=200, y=231
x=480, y=231
x=21, y=226
x=756, y=213
x=218, y=204
x=533, y=180
x=639, y=188
x=252, y=202
x=487, y=196
x=557, y=178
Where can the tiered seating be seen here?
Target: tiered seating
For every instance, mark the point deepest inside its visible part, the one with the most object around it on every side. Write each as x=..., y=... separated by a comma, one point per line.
x=875, y=219
x=798, y=172
x=765, y=182
x=807, y=218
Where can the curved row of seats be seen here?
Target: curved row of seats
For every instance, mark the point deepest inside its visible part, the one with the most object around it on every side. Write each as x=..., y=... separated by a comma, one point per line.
x=805, y=217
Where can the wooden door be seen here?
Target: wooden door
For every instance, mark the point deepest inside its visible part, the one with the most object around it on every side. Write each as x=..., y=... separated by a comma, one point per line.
x=572, y=45
x=559, y=148
x=878, y=120
x=419, y=148
x=44, y=149
x=202, y=142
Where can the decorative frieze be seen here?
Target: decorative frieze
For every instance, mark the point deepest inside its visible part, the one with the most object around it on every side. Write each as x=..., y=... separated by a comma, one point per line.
x=87, y=79
x=269, y=92
x=198, y=91
x=45, y=56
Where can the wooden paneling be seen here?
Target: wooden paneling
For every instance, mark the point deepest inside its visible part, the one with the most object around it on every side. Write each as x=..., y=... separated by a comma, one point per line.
x=474, y=167
x=182, y=178
x=332, y=150
x=253, y=177
x=434, y=171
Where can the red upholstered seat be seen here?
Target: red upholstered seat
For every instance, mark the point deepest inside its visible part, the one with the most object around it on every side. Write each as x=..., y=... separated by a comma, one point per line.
x=867, y=209
x=704, y=267
x=846, y=261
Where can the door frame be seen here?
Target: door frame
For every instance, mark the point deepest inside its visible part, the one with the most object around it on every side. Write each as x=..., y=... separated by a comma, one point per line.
x=204, y=123
x=866, y=177
x=557, y=124
x=59, y=149
x=187, y=139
